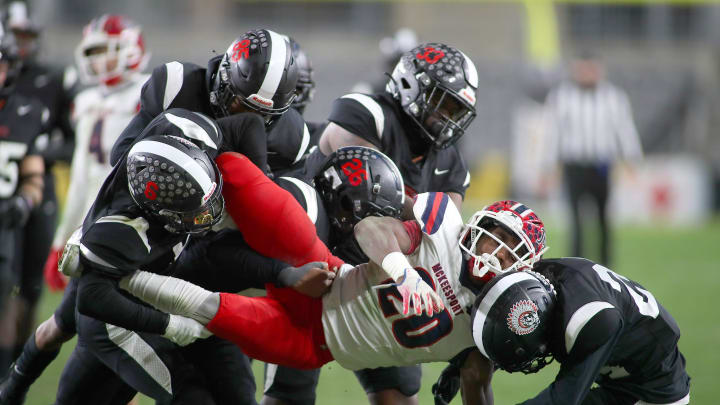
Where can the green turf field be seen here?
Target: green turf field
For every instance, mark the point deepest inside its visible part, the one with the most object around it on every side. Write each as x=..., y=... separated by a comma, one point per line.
x=681, y=267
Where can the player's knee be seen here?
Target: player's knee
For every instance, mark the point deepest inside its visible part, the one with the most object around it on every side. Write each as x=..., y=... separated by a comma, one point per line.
x=49, y=336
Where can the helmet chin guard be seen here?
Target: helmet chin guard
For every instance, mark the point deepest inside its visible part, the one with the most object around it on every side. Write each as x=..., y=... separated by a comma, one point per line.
x=514, y=218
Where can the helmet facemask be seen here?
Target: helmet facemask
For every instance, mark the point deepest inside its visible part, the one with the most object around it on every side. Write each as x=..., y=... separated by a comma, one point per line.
x=442, y=116
x=486, y=265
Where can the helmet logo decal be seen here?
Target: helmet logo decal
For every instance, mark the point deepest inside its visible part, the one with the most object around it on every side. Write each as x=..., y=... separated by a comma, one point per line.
x=429, y=50
x=354, y=172
x=523, y=317
x=151, y=190
x=240, y=50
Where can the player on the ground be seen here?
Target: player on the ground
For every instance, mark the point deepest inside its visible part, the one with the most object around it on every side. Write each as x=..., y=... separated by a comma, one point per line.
x=256, y=74
x=369, y=309
x=603, y=328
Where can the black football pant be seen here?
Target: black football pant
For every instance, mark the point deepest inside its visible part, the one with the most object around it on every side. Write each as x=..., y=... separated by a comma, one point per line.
x=591, y=182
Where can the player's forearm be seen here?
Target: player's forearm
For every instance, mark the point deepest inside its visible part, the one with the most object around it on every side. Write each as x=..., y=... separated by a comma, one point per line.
x=99, y=297
x=32, y=171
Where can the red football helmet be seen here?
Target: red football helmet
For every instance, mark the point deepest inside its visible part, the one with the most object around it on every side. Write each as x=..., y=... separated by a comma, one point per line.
x=513, y=217
x=112, y=48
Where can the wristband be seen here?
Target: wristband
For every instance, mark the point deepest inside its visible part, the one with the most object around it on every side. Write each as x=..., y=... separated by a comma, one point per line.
x=395, y=264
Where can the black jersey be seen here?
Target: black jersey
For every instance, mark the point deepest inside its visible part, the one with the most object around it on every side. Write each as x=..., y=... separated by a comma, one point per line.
x=613, y=332
x=22, y=120
x=55, y=89
x=186, y=85
x=379, y=120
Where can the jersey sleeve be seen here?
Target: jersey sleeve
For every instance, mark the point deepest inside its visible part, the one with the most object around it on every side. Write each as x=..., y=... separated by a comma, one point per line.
x=245, y=133
x=115, y=246
x=580, y=370
x=360, y=115
x=437, y=215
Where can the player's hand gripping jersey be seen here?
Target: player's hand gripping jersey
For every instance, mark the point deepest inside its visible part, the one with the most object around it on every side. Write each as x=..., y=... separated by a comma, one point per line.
x=364, y=326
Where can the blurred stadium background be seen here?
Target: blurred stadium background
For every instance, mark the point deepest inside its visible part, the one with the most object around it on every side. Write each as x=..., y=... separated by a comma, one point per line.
x=665, y=54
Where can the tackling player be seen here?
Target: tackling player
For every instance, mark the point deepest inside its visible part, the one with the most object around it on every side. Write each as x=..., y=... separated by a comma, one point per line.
x=256, y=74
x=364, y=321
x=603, y=328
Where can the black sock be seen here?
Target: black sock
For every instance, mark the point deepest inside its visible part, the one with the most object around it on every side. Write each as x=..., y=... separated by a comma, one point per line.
x=33, y=361
x=5, y=360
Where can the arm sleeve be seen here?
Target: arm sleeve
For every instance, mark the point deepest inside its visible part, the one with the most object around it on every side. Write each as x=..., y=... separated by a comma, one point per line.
x=73, y=212
x=238, y=266
x=354, y=117
x=245, y=133
x=99, y=297
x=591, y=352
x=413, y=230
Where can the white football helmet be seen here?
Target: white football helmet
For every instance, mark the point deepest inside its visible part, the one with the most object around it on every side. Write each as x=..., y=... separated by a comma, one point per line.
x=106, y=39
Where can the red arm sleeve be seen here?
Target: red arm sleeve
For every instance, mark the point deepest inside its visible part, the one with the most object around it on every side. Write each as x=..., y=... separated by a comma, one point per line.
x=415, y=234
x=270, y=219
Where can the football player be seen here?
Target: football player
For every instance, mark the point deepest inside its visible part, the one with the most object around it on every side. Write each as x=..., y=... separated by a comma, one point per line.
x=22, y=121
x=365, y=321
x=428, y=103
x=54, y=88
x=256, y=74
x=603, y=328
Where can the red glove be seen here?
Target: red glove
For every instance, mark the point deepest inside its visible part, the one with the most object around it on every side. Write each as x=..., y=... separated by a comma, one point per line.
x=55, y=280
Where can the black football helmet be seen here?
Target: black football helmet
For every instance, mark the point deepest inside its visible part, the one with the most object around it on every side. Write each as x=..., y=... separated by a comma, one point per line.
x=176, y=183
x=305, y=89
x=511, y=321
x=436, y=86
x=9, y=61
x=356, y=182
x=257, y=73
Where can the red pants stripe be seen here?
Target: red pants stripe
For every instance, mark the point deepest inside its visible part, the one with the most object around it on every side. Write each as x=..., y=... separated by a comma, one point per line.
x=270, y=219
x=283, y=328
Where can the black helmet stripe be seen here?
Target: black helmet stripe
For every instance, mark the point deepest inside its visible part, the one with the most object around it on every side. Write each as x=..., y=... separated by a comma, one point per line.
x=489, y=300
x=180, y=159
x=192, y=130
x=274, y=74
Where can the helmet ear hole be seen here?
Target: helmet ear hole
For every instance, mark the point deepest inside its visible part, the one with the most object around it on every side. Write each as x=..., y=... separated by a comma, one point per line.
x=405, y=84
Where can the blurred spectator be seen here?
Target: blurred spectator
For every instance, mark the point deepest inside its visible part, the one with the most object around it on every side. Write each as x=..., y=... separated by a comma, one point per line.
x=591, y=127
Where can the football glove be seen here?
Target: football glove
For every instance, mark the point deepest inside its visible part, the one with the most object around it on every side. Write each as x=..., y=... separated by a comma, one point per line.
x=447, y=385
x=183, y=331
x=55, y=280
x=416, y=293
x=14, y=211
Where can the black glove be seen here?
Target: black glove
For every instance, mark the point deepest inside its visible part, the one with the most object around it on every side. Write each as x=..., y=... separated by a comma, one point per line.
x=447, y=385
x=14, y=211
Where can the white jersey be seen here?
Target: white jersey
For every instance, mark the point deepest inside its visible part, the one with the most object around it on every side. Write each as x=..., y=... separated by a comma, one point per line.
x=364, y=327
x=99, y=116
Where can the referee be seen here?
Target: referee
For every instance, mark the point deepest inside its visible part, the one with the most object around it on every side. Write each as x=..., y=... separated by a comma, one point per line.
x=591, y=127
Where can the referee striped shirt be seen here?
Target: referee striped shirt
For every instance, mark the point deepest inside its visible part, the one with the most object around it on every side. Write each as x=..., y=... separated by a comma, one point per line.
x=589, y=126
